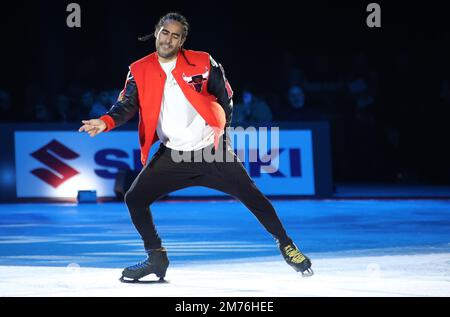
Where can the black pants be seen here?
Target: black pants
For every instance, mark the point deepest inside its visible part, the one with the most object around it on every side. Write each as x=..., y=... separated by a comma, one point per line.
x=163, y=175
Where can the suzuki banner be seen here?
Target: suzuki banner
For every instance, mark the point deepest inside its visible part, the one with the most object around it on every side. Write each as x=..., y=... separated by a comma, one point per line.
x=58, y=164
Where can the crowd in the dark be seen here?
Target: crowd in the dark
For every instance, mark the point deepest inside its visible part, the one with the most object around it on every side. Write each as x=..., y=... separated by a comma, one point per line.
x=386, y=124
x=385, y=93
x=73, y=105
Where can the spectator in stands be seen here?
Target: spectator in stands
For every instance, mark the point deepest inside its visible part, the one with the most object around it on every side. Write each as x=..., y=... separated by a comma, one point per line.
x=6, y=107
x=320, y=80
x=362, y=82
x=62, y=107
x=298, y=109
x=113, y=95
x=101, y=104
x=251, y=111
x=41, y=110
x=86, y=103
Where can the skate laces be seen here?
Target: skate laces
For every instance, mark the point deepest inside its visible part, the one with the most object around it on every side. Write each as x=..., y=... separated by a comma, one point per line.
x=295, y=256
x=140, y=265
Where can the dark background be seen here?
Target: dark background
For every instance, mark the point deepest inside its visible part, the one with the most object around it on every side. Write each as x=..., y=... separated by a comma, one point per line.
x=402, y=137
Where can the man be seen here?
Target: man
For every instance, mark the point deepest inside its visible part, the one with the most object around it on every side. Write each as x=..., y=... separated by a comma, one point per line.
x=185, y=101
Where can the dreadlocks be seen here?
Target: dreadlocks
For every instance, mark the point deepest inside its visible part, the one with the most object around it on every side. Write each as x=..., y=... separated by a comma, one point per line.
x=175, y=17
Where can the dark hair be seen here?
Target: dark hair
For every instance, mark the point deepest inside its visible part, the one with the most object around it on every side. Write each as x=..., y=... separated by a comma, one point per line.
x=169, y=16
x=175, y=17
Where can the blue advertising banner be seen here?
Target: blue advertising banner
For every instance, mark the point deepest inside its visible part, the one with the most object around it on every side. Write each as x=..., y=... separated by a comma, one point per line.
x=57, y=164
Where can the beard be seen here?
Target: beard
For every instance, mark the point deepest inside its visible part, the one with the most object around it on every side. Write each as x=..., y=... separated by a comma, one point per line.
x=166, y=52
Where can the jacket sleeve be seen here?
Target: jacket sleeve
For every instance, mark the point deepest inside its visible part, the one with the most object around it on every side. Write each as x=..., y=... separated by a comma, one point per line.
x=219, y=86
x=125, y=108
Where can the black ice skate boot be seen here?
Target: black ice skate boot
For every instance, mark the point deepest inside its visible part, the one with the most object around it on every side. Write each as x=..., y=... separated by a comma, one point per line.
x=156, y=263
x=296, y=259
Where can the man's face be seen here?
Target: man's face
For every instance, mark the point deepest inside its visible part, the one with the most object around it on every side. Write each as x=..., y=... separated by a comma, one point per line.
x=87, y=99
x=247, y=97
x=103, y=98
x=296, y=97
x=169, y=39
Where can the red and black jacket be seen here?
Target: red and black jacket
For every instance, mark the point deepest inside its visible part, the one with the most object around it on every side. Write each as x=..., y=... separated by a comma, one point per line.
x=201, y=79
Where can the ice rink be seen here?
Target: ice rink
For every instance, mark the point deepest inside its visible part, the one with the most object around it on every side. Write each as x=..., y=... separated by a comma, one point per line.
x=217, y=248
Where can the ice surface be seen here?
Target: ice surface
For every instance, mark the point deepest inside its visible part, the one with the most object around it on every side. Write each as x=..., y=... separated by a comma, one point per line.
x=358, y=248
x=372, y=276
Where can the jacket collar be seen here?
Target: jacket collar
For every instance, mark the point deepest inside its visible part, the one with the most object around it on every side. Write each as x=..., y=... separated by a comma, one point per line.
x=182, y=63
x=181, y=59
x=157, y=64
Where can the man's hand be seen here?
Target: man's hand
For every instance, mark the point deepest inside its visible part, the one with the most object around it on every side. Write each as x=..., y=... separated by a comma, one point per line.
x=93, y=127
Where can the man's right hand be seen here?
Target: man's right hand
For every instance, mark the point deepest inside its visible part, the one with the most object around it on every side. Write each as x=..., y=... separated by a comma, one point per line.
x=93, y=127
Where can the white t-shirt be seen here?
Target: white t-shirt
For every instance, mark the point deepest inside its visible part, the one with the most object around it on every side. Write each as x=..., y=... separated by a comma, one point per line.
x=180, y=126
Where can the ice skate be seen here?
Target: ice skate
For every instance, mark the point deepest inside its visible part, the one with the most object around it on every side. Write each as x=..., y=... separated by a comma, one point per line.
x=156, y=263
x=296, y=259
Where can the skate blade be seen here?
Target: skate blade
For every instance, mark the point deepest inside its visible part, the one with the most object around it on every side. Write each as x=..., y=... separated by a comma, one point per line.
x=129, y=281
x=308, y=273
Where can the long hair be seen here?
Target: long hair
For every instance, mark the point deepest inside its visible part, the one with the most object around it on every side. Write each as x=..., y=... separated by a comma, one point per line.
x=174, y=16
x=169, y=16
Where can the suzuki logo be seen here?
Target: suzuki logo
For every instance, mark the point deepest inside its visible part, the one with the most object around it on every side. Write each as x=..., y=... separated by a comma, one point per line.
x=45, y=156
